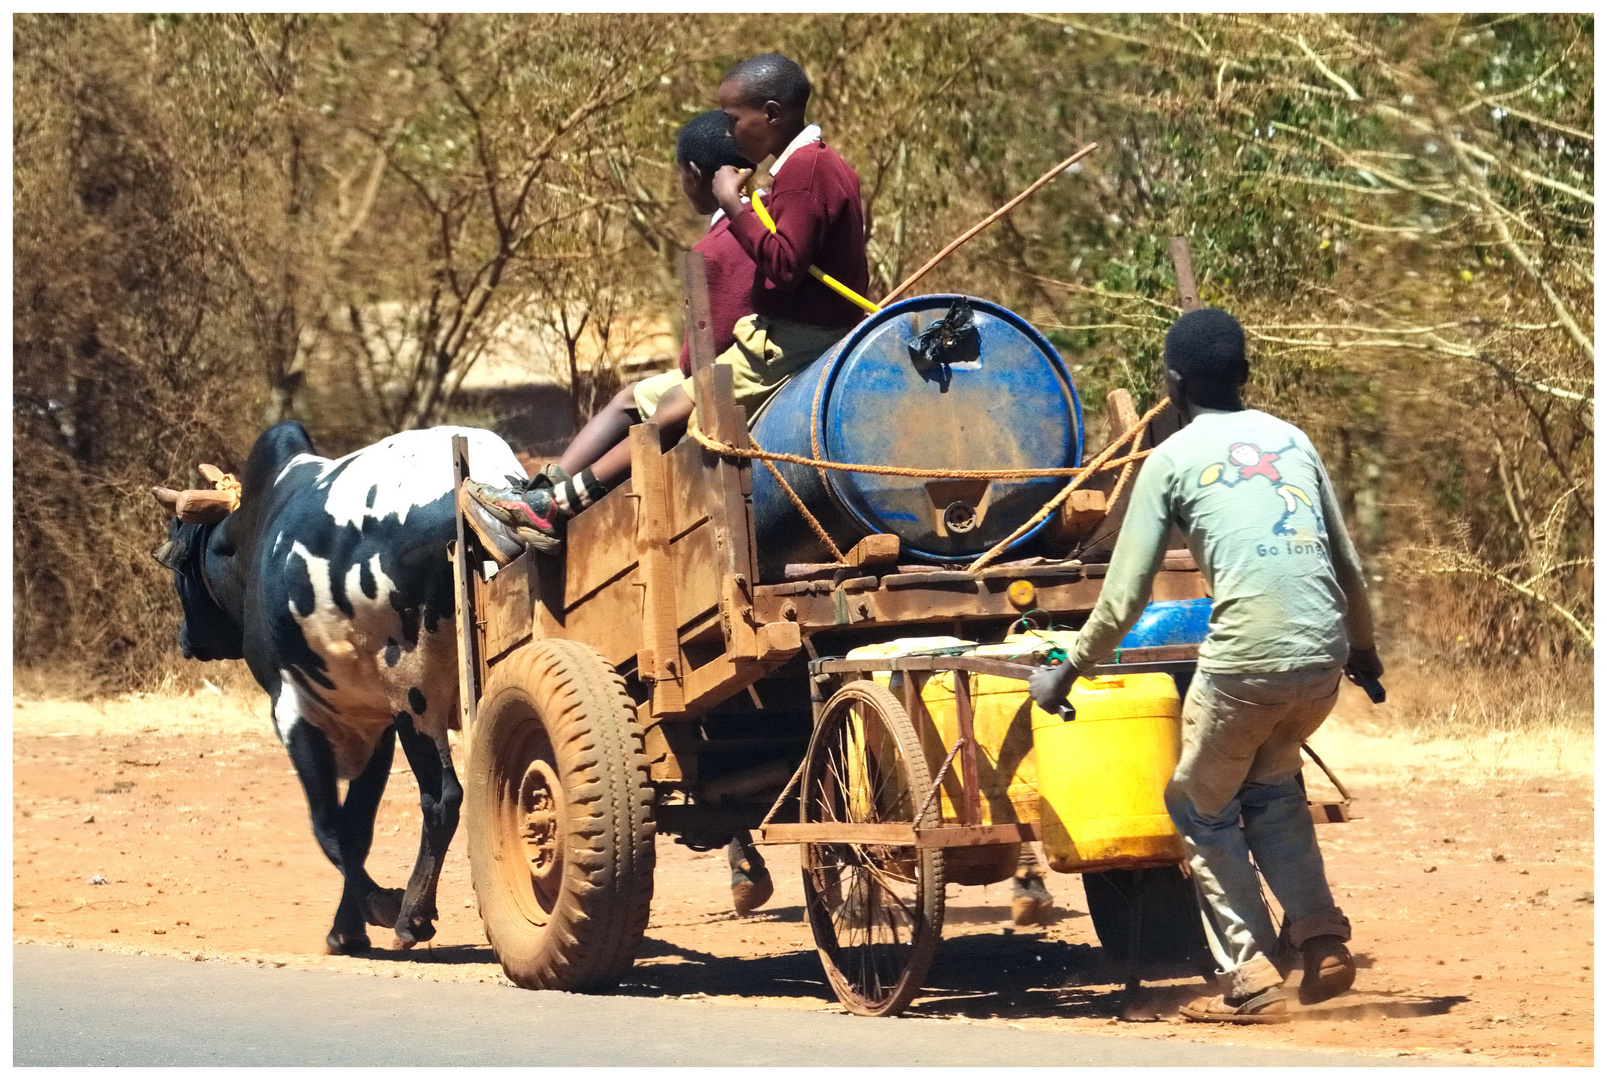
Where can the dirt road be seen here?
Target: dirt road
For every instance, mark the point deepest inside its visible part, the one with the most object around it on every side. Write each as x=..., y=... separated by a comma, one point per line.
x=1469, y=880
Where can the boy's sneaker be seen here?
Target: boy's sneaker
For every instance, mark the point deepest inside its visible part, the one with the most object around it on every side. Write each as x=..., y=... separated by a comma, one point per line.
x=527, y=509
x=1329, y=969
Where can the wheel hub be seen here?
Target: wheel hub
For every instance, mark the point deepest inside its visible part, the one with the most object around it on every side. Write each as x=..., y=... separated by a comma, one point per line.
x=541, y=810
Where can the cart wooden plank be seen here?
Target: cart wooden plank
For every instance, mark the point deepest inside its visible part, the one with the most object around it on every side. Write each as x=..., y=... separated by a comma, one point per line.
x=660, y=659
x=463, y=576
x=600, y=545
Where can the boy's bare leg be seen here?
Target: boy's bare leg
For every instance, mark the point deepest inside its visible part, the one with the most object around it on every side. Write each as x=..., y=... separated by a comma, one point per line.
x=674, y=410
x=595, y=464
x=601, y=434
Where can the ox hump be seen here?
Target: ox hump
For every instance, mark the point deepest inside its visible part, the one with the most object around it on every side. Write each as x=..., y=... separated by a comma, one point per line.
x=405, y=472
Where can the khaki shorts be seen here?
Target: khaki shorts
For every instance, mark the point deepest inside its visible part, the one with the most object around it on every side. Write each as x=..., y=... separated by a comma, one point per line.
x=651, y=390
x=767, y=353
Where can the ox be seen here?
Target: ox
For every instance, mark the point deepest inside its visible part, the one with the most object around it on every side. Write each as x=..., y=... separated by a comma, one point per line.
x=331, y=579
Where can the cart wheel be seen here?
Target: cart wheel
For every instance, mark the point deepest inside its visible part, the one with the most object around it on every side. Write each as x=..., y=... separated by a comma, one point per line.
x=1170, y=931
x=560, y=816
x=876, y=910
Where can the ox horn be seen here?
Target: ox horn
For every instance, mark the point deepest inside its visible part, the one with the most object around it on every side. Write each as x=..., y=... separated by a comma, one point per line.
x=200, y=506
x=195, y=507
x=168, y=498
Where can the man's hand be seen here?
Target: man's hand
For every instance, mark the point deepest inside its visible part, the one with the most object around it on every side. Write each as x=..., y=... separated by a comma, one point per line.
x=1363, y=668
x=727, y=187
x=1049, y=686
x=1364, y=664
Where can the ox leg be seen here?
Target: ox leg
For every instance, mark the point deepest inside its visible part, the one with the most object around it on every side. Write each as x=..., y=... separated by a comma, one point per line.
x=344, y=829
x=440, y=796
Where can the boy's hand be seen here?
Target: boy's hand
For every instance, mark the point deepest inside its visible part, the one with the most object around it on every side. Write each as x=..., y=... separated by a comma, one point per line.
x=727, y=186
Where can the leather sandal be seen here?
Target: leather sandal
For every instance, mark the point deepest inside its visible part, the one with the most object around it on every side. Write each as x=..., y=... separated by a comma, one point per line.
x=1267, y=1007
x=1329, y=969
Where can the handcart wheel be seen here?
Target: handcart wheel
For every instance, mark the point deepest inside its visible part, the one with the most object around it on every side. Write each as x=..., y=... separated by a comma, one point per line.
x=1170, y=932
x=876, y=910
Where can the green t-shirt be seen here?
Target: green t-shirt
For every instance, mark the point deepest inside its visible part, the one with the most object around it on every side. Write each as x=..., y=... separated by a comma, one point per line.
x=1255, y=503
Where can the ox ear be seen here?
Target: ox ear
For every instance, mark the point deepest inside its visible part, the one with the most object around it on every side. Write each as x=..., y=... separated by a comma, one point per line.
x=169, y=555
x=168, y=498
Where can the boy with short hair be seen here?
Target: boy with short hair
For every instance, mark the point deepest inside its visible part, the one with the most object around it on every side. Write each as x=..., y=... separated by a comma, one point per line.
x=819, y=220
x=1289, y=611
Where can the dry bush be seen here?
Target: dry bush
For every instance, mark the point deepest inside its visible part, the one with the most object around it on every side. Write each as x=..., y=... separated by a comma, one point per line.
x=1429, y=696
x=126, y=371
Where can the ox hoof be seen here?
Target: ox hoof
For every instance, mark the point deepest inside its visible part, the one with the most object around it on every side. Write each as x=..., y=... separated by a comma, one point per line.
x=382, y=907
x=339, y=944
x=749, y=893
x=412, y=931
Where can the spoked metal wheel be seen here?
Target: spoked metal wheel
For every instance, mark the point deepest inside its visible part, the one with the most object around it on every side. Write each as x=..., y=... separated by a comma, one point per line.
x=876, y=910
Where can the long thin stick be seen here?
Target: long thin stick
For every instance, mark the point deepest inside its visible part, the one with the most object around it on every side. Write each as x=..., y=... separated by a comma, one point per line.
x=989, y=220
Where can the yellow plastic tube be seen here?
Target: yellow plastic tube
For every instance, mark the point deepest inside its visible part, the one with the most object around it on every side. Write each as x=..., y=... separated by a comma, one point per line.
x=829, y=281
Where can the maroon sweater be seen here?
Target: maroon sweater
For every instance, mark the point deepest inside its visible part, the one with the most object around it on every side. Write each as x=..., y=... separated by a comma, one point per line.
x=819, y=220
x=730, y=273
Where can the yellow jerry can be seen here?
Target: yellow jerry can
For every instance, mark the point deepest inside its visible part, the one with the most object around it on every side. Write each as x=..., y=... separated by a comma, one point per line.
x=1103, y=776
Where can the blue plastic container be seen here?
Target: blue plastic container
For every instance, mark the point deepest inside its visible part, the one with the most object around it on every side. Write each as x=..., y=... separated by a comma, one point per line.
x=1008, y=402
x=1170, y=622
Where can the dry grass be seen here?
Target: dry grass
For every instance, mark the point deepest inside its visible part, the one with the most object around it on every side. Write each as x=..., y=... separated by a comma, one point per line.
x=171, y=675
x=1467, y=699
x=1465, y=725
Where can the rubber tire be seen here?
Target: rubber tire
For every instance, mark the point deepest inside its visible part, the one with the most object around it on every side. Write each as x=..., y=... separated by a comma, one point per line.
x=1171, y=933
x=561, y=701
x=928, y=862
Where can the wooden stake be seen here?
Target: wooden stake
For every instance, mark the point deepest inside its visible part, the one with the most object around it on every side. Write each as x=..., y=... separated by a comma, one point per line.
x=989, y=220
x=1188, y=292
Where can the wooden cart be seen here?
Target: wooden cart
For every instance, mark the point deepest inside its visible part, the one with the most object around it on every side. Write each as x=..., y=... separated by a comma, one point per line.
x=646, y=680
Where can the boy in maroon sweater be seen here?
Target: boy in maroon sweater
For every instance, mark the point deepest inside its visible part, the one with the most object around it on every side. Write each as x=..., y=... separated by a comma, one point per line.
x=814, y=199
x=815, y=204
x=598, y=457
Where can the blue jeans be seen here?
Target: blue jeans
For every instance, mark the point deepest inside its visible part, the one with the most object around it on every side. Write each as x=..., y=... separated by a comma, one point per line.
x=1236, y=794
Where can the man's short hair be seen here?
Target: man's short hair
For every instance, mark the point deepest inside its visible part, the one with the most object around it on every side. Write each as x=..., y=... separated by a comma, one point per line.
x=706, y=142
x=1205, y=351
x=771, y=77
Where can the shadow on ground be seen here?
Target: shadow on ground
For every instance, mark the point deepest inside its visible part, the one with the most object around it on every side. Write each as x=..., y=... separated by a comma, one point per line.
x=1004, y=975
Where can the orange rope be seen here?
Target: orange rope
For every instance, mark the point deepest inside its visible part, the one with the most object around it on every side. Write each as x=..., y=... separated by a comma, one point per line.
x=1102, y=462
x=1132, y=434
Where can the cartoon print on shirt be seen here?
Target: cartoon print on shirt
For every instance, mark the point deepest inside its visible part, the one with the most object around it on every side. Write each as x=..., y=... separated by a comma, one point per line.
x=1247, y=461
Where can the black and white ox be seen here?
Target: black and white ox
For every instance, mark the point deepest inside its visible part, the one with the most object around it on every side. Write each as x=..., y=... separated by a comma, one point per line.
x=332, y=580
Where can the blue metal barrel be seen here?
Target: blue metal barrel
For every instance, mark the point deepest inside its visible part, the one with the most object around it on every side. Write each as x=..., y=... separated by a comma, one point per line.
x=1170, y=622
x=1001, y=399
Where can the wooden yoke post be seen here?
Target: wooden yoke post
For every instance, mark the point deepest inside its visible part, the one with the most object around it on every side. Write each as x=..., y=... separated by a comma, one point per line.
x=463, y=594
x=699, y=321
x=1187, y=292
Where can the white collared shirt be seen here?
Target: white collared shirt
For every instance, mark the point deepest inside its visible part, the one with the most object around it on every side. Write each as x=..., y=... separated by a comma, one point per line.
x=718, y=214
x=810, y=134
